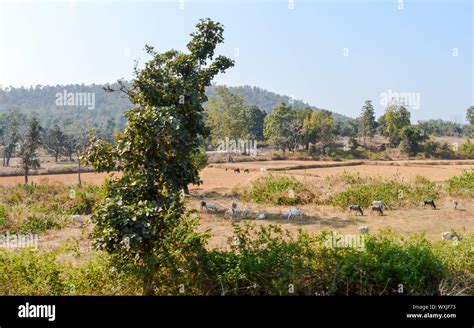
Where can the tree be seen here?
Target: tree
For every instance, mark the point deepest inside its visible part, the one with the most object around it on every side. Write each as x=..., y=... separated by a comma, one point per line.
x=28, y=147
x=396, y=117
x=254, y=120
x=470, y=115
x=226, y=115
x=142, y=220
x=278, y=127
x=411, y=138
x=319, y=128
x=367, y=123
x=55, y=142
x=12, y=125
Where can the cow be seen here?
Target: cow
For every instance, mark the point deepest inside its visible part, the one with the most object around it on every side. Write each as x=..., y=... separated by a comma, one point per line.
x=208, y=206
x=379, y=203
x=356, y=208
x=260, y=216
x=455, y=204
x=237, y=170
x=246, y=171
x=378, y=209
x=292, y=212
x=429, y=202
x=364, y=229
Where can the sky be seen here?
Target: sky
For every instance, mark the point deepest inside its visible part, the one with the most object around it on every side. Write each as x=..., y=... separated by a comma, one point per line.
x=331, y=54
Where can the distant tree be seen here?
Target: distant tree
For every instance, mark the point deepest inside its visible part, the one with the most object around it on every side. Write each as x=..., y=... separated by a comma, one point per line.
x=367, y=122
x=319, y=128
x=226, y=115
x=470, y=115
x=411, y=139
x=12, y=125
x=279, y=127
x=142, y=221
x=28, y=147
x=254, y=120
x=55, y=142
x=396, y=117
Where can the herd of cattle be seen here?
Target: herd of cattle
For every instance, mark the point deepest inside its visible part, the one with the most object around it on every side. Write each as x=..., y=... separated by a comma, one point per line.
x=292, y=213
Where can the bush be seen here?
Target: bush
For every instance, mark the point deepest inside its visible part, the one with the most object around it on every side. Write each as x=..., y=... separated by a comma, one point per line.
x=462, y=185
x=363, y=191
x=270, y=261
x=278, y=190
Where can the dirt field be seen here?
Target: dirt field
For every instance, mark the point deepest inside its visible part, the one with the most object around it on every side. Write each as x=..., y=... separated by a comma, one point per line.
x=219, y=185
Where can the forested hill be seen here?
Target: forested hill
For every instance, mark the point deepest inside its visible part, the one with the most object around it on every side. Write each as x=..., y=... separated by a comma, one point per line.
x=107, y=112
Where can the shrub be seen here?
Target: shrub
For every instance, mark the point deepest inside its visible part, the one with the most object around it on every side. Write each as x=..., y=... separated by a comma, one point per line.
x=278, y=190
x=363, y=191
x=462, y=185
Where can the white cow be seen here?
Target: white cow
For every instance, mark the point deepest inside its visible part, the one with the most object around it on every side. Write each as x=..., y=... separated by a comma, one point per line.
x=364, y=229
x=449, y=235
x=292, y=212
x=260, y=216
x=79, y=219
x=380, y=204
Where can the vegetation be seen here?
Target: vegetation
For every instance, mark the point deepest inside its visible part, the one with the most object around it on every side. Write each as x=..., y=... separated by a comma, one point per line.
x=261, y=261
x=462, y=185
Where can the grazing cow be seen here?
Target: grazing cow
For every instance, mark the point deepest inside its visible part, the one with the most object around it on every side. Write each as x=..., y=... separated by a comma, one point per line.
x=234, y=204
x=246, y=171
x=379, y=203
x=263, y=169
x=231, y=213
x=378, y=209
x=364, y=229
x=292, y=212
x=356, y=208
x=79, y=219
x=208, y=206
x=247, y=213
x=455, y=204
x=260, y=216
x=450, y=235
x=226, y=169
x=237, y=170
x=429, y=202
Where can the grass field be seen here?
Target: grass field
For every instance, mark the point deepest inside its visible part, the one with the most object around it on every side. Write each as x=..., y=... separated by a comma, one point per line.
x=222, y=187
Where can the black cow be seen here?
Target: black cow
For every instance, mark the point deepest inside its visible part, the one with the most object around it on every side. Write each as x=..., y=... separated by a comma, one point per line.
x=356, y=208
x=378, y=209
x=246, y=171
x=429, y=202
x=237, y=170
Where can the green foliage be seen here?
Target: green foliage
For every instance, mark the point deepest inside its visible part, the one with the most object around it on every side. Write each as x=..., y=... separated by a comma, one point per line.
x=392, y=192
x=142, y=220
x=466, y=150
x=367, y=122
x=462, y=185
x=318, y=128
x=28, y=147
x=470, y=115
x=396, y=117
x=433, y=149
x=277, y=190
x=411, y=138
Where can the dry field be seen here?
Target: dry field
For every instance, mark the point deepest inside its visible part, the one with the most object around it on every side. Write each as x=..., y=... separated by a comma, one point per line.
x=219, y=187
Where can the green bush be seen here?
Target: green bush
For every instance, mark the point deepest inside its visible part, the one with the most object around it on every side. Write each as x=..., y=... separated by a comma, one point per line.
x=277, y=190
x=461, y=185
x=363, y=191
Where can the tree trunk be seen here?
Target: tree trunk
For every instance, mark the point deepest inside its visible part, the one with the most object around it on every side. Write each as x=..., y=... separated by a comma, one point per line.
x=56, y=157
x=79, y=173
x=26, y=175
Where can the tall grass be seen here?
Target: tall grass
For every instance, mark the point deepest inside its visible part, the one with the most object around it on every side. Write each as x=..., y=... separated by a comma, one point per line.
x=461, y=185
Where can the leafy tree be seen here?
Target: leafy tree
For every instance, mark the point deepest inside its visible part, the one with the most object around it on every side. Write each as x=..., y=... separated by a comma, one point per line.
x=367, y=122
x=319, y=128
x=55, y=142
x=470, y=115
x=142, y=220
x=396, y=117
x=411, y=139
x=279, y=127
x=28, y=147
x=12, y=125
x=226, y=115
x=254, y=120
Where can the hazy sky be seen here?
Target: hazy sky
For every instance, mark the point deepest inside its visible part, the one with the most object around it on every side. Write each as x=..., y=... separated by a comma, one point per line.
x=331, y=54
